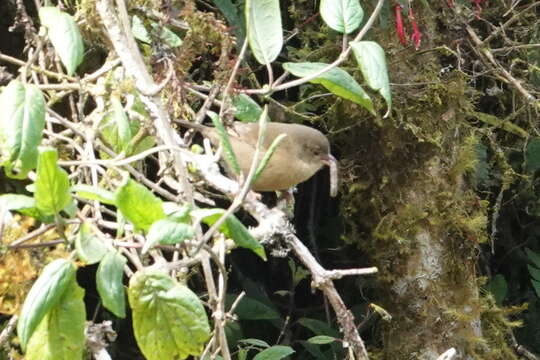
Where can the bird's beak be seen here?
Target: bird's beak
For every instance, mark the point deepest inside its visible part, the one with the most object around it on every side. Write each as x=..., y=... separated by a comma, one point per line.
x=331, y=162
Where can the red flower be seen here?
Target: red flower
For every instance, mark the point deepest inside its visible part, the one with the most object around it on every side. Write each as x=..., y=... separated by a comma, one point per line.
x=416, y=35
x=399, y=25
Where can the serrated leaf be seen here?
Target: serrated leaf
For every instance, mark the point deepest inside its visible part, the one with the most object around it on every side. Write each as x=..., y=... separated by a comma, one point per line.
x=533, y=257
x=344, y=16
x=94, y=193
x=275, y=352
x=321, y=339
x=64, y=35
x=109, y=283
x=370, y=57
x=230, y=156
x=336, y=80
x=532, y=155
x=264, y=30
x=90, y=248
x=22, y=120
x=139, y=205
x=232, y=228
x=246, y=109
x=44, y=295
x=167, y=232
x=60, y=335
x=169, y=320
x=52, y=184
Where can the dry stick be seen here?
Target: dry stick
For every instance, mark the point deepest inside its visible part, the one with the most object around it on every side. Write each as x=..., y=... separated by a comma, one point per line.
x=342, y=57
x=498, y=67
x=126, y=48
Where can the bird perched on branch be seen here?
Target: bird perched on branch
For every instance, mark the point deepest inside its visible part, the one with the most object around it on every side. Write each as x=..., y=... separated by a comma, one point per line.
x=297, y=157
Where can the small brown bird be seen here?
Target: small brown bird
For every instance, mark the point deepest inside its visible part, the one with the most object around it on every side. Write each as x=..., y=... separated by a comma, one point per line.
x=297, y=158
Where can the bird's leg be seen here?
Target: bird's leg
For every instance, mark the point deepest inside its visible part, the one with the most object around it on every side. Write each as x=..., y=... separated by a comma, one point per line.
x=285, y=202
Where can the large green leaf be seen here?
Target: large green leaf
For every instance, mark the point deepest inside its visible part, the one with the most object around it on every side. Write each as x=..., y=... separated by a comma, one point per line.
x=336, y=80
x=109, y=283
x=167, y=232
x=64, y=35
x=372, y=62
x=21, y=127
x=232, y=228
x=275, y=352
x=94, y=193
x=60, y=335
x=344, y=16
x=52, y=184
x=264, y=31
x=90, y=248
x=43, y=296
x=139, y=205
x=169, y=320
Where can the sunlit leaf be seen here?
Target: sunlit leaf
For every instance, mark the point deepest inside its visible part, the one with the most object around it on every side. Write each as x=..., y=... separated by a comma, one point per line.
x=21, y=127
x=64, y=35
x=52, y=184
x=372, y=62
x=90, y=248
x=264, y=31
x=109, y=283
x=169, y=320
x=43, y=296
x=336, y=80
x=344, y=16
x=167, y=232
x=60, y=335
x=139, y=205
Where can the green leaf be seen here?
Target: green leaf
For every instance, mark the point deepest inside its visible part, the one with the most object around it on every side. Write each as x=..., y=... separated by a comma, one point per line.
x=16, y=202
x=94, y=193
x=139, y=205
x=344, y=16
x=246, y=109
x=267, y=156
x=167, y=232
x=169, y=320
x=232, y=228
x=139, y=31
x=336, y=80
x=535, y=272
x=264, y=31
x=90, y=248
x=372, y=62
x=533, y=257
x=498, y=287
x=167, y=36
x=275, y=352
x=321, y=339
x=60, y=335
x=251, y=309
x=230, y=156
x=52, y=184
x=64, y=35
x=122, y=125
x=109, y=283
x=532, y=155
x=255, y=342
x=236, y=21
x=44, y=295
x=318, y=327
x=22, y=120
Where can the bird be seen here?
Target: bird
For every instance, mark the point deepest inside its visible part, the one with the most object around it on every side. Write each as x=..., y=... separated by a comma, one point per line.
x=299, y=155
